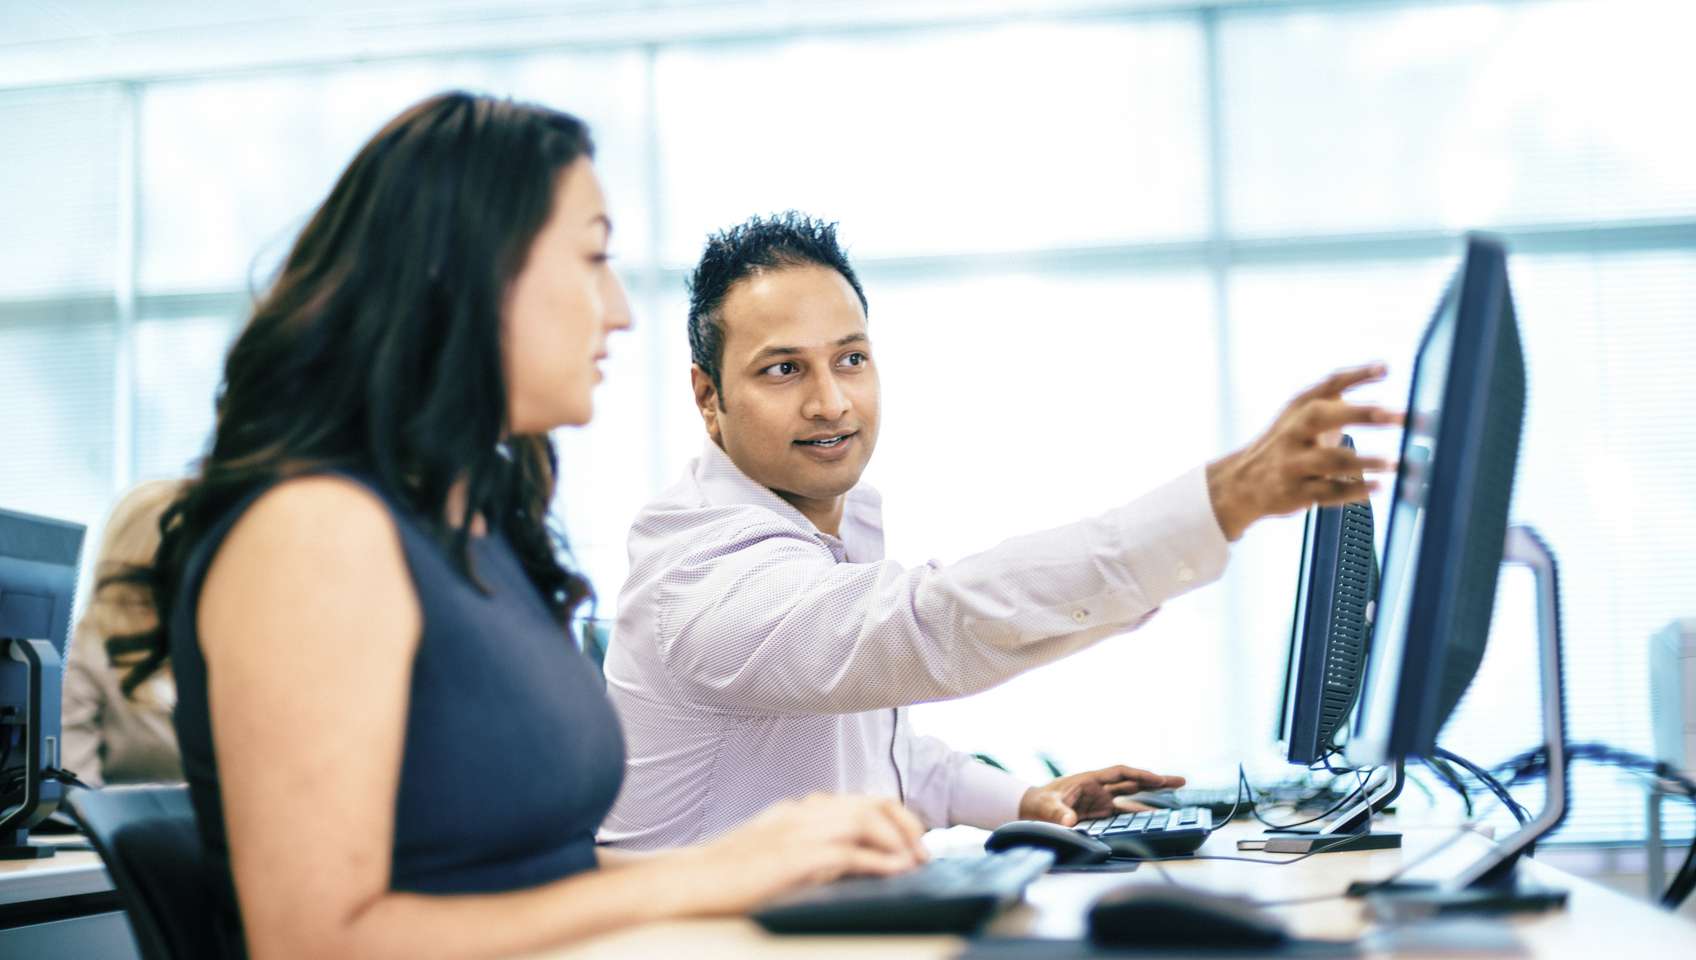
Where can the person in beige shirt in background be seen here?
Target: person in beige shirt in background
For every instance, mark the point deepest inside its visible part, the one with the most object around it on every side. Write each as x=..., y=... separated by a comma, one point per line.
x=113, y=735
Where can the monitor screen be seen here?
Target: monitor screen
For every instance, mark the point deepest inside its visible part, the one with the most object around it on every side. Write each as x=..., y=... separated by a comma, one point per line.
x=1448, y=513
x=1408, y=502
x=1292, y=656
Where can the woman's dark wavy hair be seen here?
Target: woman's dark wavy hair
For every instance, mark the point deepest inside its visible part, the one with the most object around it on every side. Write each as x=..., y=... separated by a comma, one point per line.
x=378, y=348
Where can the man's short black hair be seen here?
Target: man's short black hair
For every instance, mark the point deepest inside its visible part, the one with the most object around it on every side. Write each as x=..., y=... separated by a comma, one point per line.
x=788, y=239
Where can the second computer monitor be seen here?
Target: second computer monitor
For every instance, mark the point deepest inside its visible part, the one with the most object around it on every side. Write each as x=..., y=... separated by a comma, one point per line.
x=1330, y=630
x=1449, y=514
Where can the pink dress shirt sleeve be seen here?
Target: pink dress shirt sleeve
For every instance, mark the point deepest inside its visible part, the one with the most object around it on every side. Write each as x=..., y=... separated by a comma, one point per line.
x=946, y=787
x=764, y=621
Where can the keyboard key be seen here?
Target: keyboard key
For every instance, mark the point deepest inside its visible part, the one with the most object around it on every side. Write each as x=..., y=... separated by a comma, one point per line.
x=949, y=895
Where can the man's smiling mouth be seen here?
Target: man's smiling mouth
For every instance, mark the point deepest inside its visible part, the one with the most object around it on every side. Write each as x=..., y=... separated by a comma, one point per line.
x=833, y=440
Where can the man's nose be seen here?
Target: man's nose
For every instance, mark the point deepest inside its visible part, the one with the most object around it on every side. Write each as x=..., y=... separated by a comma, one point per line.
x=826, y=400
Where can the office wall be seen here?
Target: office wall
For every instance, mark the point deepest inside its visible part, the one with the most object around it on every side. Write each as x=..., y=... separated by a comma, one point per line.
x=1101, y=245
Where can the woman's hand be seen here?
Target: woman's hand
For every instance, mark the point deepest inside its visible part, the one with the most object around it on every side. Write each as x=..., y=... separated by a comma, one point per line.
x=799, y=843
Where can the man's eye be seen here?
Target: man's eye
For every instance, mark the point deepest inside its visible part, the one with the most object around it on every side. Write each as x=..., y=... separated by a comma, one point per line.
x=783, y=369
x=855, y=359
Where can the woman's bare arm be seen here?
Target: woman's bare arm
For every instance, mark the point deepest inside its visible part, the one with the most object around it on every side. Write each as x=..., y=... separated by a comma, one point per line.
x=309, y=623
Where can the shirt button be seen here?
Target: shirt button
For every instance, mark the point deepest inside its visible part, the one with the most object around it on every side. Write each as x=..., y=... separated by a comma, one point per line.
x=1185, y=574
x=1080, y=615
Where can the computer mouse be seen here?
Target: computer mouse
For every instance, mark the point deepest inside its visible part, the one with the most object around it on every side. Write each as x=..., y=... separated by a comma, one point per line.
x=1070, y=847
x=1164, y=914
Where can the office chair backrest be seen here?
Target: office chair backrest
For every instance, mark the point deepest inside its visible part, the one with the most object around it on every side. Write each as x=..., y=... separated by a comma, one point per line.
x=148, y=839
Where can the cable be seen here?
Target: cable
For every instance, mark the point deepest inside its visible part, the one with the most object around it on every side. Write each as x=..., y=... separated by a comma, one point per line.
x=1519, y=813
x=1448, y=776
x=1243, y=787
x=1683, y=882
x=1534, y=764
x=1254, y=808
x=65, y=777
x=1166, y=875
x=1355, y=890
x=1242, y=784
x=1324, y=763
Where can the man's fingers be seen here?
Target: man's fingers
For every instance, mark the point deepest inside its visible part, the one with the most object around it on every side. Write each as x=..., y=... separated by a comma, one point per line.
x=1319, y=417
x=1055, y=810
x=1135, y=774
x=1340, y=462
x=1330, y=492
x=1336, y=383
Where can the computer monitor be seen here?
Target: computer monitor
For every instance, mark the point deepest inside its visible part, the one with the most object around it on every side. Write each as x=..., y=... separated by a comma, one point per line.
x=1448, y=514
x=1329, y=630
x=1448, y=537
x=1328, y=649
x=39, y=560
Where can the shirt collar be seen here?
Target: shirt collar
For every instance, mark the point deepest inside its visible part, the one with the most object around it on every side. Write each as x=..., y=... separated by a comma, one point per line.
x=725, y=484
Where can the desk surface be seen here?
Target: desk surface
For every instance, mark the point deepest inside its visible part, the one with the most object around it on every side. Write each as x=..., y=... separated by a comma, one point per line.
x=1597, y=923
x=65, y=874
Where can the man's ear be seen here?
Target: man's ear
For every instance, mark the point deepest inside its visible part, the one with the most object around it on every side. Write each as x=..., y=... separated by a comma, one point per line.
x=706, y=401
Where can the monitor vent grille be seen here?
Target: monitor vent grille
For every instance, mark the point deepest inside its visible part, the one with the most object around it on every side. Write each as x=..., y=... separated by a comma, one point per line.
x=1345, y=655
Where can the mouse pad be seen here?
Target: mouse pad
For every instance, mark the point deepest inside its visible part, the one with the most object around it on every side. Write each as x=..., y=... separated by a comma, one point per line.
x=1111, y=866
x=1009, y=948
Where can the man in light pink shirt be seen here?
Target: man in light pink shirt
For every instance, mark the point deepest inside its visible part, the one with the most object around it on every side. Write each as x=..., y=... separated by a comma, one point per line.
x=765, y=648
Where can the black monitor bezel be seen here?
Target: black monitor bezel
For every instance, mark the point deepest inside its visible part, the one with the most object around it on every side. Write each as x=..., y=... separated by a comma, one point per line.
x=1478, y=294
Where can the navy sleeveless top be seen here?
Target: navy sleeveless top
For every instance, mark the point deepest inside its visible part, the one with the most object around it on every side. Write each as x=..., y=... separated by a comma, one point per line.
x=513, y=754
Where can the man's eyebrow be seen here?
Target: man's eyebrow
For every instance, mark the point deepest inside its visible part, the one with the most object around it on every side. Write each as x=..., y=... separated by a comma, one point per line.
x=776, y=352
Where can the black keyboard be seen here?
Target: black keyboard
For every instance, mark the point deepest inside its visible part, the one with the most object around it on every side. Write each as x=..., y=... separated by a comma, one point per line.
x=1222, y=800
x=950, y=895
x=1159, y=833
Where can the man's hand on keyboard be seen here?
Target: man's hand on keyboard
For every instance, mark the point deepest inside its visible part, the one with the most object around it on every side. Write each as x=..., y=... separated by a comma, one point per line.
x=1097, y=793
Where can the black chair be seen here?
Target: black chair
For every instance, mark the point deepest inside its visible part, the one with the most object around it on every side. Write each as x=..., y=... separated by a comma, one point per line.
x=148, y=838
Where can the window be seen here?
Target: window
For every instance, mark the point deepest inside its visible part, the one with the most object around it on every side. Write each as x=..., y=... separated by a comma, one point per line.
x=1607, y=474
x=1024, y=137
x=1062, y=316
x=57, y=376
x=1292, y=324
x=1012, y=403
x=179, y=362
x=61, y=188
x=1456, y=116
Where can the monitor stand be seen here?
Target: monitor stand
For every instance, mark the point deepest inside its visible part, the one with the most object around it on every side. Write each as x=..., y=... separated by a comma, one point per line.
x=39, y=729
x=1490, y=884
x=1349, y=830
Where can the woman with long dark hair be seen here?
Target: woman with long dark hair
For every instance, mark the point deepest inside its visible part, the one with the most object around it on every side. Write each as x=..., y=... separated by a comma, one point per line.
x=392, y=747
